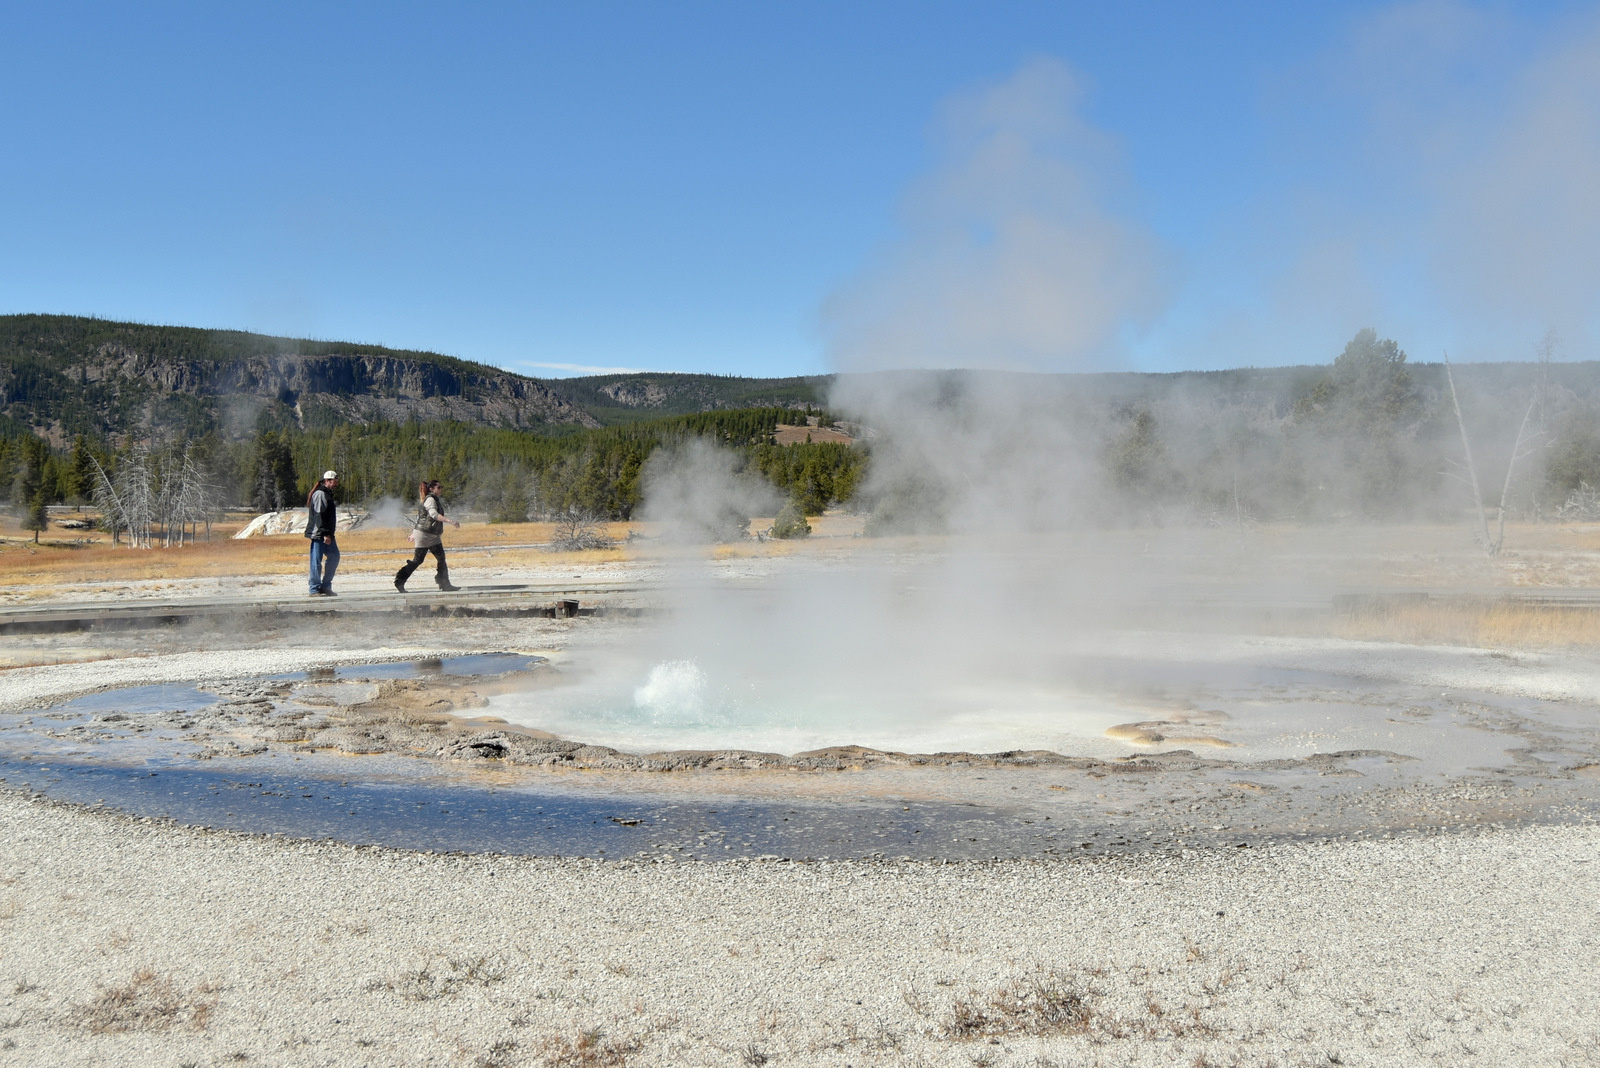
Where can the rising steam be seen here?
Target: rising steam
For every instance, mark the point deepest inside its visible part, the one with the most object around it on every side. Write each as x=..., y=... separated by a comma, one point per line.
x=1013, y=253
x=1018, y=255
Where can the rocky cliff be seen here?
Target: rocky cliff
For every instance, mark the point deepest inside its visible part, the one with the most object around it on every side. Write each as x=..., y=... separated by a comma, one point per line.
x=64, y=375
x=355, y=386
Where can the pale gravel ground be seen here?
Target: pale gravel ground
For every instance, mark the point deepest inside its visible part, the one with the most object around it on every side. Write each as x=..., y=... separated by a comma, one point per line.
x=1444, y=950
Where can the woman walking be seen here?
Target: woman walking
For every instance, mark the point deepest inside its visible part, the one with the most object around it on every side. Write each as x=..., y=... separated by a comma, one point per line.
x=425, y=532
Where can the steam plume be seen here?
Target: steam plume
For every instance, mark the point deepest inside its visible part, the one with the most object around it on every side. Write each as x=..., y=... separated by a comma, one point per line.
x=1012, y=254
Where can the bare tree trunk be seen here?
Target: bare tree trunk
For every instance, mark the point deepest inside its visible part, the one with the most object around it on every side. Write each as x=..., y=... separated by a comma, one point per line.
x=137, y=496
x=1517, y=453
x=105, y=496
x=1481, y=521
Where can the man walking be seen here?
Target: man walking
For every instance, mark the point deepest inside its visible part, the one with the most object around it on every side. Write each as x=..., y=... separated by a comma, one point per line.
x=322, y=524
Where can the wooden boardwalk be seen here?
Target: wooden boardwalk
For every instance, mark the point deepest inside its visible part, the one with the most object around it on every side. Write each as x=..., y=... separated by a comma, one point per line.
x=546, y=600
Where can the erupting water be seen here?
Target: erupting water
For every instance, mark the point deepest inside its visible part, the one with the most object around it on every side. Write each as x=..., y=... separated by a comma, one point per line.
x=675, y=695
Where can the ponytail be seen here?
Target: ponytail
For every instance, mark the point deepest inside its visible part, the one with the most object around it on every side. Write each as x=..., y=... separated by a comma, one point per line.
x=422, y=489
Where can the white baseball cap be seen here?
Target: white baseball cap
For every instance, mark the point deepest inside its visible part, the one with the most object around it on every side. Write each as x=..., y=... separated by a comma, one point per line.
x=329, y=474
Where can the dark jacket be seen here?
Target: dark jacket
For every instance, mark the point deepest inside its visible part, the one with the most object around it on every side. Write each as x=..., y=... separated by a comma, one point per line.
x=321, y=514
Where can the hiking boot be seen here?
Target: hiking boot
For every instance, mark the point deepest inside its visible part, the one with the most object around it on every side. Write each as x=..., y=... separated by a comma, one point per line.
x=327, y=593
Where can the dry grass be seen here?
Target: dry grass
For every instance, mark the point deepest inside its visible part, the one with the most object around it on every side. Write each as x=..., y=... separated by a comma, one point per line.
x=1491, y=625
x=1048, y=1002
x=589, y=1049
x=503, y=1054
x=744, y=550
x=1399, y=557
x=787, y=434
x=147, y=1002
x=375, y=551
x=1041, y=1004
x=433, y=981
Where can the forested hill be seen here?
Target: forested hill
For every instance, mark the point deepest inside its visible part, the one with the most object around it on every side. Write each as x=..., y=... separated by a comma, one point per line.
x=65, y=375
x=627, y=398
x=253, y=419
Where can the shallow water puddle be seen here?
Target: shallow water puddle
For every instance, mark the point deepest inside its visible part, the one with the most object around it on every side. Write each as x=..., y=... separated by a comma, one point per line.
x=457, y=817
x=137, y=700
x=1310, y=753
x=477, y=664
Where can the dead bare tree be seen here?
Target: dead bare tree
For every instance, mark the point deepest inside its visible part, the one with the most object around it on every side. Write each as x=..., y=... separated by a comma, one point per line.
x=576, y=529
x=205, y=495
x=1480, y=520
x=1582, y=505
x=164, y=500
x=1521, y=449
x=113, y=516
x=186, y=496
x=139, y=505
x=172, y=492
x=1547, y=350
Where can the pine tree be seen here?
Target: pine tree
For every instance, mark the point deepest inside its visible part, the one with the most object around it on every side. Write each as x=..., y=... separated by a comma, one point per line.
x=35, y=451
x=273, y=486
x=37, y=517
x=79, y=481
x=791, y=521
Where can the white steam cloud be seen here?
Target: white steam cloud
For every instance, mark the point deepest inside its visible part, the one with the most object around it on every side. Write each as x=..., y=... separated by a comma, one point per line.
x=695, y=492
x=391, y=512
x=1517, y=220
x=1012, y=253
x=1012, y=259
x=1437, y=182
x=1030, y=624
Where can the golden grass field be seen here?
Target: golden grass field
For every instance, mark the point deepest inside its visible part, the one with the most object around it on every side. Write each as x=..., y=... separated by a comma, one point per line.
x=1478, y=624
x=1441, y=558
x=57, y=559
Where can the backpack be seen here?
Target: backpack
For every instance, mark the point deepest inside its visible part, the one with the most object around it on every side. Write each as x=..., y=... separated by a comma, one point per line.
x=426, y=524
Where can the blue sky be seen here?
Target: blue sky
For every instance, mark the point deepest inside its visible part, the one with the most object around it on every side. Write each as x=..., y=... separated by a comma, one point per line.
x=772, y=189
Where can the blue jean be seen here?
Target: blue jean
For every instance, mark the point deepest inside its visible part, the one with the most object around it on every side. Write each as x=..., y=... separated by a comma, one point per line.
x=324, y=562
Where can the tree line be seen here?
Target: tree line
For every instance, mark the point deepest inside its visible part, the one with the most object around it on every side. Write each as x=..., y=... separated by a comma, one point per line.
x=1370, y=436
x=146, y=487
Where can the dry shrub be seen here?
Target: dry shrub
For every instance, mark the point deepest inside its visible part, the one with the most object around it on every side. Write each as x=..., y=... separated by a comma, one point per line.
x=1040, y=1004
x=430, y=982
x=579, y=531
x=503, y=1054
x=148, y=1002
x=590, y=1049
